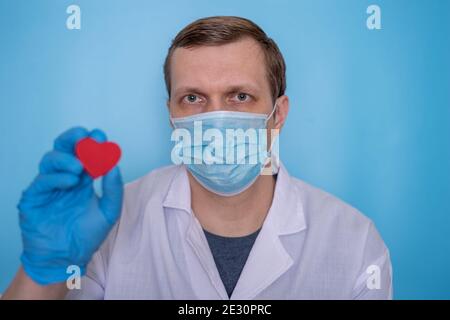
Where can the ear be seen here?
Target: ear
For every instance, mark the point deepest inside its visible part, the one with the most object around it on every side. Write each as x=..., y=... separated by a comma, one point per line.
x=281, y=112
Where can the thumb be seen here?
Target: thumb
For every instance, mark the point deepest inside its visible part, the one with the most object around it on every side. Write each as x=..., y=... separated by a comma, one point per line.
x=112, y=194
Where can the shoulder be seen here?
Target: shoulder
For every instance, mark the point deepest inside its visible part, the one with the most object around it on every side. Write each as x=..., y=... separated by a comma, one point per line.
x=154, y=183
x=325, y=206
x=336, y=221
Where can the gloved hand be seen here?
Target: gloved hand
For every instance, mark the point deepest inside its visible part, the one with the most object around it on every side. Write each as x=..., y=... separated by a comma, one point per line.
x=63, y=221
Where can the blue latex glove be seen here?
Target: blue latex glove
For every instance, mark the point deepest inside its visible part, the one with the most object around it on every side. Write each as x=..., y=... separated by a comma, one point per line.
x=63, y=221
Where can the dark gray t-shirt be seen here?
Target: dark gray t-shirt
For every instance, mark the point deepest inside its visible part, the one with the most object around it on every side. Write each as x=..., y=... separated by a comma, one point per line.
x=230, y=255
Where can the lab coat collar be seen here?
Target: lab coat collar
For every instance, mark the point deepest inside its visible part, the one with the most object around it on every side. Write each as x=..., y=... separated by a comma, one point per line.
x=179, y=193
x=286, y=213
x=268, y=259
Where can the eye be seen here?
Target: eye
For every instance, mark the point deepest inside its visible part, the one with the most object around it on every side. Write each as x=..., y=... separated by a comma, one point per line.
x=191, y=98
x=242, y=97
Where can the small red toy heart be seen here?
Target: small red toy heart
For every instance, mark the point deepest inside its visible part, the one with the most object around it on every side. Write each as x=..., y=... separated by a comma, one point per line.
x=97, y=158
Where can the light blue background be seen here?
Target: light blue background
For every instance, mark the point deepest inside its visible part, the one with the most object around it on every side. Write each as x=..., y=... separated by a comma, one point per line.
x=369, y=119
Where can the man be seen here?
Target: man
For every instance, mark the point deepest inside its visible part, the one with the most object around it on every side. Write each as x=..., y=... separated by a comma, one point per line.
x=200, y=230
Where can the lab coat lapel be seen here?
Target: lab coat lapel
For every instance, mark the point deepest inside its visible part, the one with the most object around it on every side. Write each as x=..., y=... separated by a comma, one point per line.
x=269, y=259
x=179, y=197
x=197, y=240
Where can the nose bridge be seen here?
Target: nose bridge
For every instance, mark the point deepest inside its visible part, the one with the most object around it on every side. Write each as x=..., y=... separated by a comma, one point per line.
x=216, y=102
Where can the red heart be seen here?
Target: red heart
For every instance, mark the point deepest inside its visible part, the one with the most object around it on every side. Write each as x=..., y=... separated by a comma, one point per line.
x=97, y=158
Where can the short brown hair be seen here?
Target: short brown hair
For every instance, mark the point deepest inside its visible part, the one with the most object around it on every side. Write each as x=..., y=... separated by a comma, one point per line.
x=219, y=30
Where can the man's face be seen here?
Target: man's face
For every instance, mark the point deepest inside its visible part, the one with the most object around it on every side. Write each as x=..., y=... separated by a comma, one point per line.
x=229, y=77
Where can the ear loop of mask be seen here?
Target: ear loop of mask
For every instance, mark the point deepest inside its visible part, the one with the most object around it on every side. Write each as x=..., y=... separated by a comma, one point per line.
x=271, y=113
x=172, y=123
x=272, y=158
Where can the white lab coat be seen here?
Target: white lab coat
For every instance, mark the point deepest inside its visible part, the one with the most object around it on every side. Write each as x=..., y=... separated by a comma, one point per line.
x=311, y=246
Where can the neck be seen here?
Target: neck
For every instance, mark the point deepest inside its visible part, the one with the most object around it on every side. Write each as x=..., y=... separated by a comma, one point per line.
x=234, y=216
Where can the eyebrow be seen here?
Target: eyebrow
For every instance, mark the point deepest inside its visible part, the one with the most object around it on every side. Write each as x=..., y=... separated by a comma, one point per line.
x=188, y=90
x=234, y=88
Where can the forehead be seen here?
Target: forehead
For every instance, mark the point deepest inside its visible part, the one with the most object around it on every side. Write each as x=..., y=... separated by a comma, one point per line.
x=218, y=67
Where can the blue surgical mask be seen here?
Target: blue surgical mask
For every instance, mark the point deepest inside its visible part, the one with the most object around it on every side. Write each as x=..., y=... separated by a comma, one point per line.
x=221, y=151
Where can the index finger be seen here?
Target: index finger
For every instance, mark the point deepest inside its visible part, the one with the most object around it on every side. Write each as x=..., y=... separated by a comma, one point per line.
x=66, y=141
